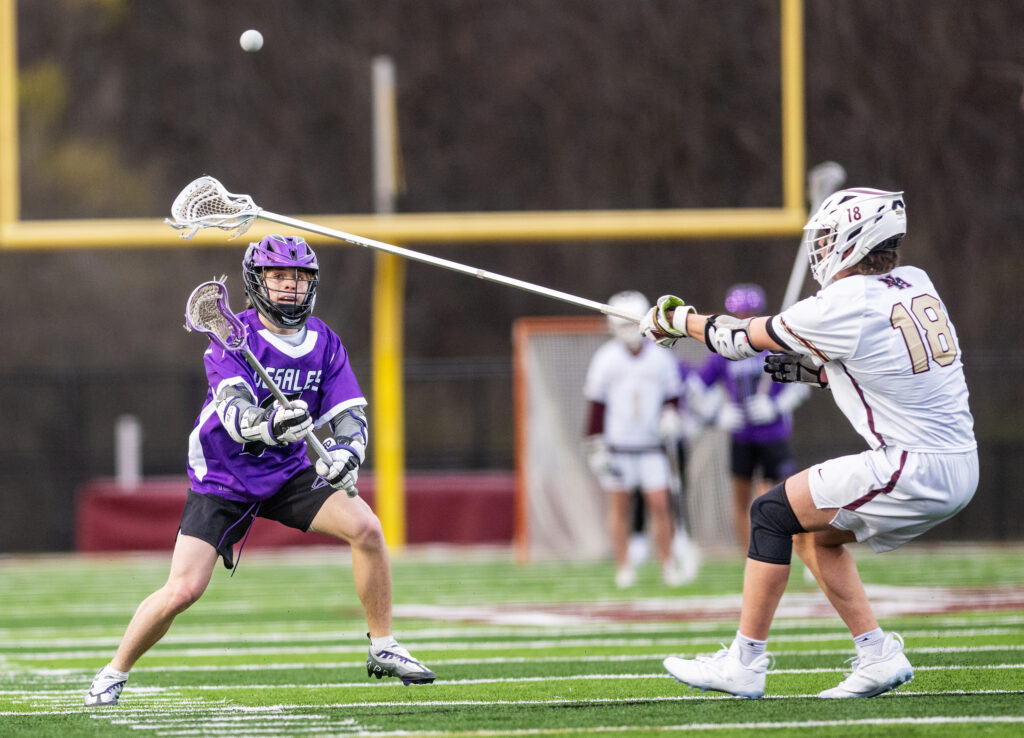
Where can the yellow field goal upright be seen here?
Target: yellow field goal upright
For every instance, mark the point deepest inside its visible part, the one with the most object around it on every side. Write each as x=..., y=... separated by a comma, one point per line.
x=410, y=228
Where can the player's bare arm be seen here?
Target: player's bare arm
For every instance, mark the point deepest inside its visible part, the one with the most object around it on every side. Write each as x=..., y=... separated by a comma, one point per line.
x=734, y=338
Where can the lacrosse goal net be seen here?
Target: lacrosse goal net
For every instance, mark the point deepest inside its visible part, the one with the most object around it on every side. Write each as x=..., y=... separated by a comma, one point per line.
x=560, y=510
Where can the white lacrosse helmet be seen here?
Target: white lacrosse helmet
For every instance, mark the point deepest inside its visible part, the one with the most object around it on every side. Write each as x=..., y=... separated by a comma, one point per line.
x=850, y=224
x=632, y=302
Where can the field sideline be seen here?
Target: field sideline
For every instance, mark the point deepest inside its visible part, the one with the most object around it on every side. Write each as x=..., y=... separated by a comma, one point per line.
x=546, y=649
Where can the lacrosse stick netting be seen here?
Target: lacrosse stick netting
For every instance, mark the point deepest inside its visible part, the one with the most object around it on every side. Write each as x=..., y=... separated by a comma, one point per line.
x=208, y=311
x=205, y=203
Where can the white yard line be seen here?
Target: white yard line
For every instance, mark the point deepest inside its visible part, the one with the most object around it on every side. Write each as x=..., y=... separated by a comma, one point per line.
x=127, y=711
x=153, y=691
x=673, y=645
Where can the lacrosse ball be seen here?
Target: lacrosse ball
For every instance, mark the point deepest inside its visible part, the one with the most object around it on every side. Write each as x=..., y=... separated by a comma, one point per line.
x=251, y=40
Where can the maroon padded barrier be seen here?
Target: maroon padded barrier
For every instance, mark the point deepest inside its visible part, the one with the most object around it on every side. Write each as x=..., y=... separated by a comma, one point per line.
x=470, y=508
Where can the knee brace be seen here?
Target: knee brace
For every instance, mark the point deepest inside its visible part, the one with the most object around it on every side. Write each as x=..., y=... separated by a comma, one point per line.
x=772, y=527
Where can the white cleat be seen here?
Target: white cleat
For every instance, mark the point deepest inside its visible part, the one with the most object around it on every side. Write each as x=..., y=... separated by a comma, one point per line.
x=106, y=687
x=625, y=577
x=395, y=661
x=874, y=674
x=674, y=574
x=687, y=557
x=722, y=672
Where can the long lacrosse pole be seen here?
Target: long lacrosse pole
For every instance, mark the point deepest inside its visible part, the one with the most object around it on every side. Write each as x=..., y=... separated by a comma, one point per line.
x=822, y=180
x=204, y=203
x=446, y=264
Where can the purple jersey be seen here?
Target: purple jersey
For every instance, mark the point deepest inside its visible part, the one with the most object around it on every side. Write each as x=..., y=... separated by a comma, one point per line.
x=316, y=371
x=741, y=380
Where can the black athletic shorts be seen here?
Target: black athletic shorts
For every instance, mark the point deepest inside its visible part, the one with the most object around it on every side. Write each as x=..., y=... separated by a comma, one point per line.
x=222, y=523
x=774, y=459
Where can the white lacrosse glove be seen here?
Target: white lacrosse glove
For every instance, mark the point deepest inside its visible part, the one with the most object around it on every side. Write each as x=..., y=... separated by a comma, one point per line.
x=661, y=329
x=729, y=336
x=790, y=368
x=761, y=409
x=599, y=461
x=289, y=426
x=344, y=468
x=670, y=424
x=730, y=417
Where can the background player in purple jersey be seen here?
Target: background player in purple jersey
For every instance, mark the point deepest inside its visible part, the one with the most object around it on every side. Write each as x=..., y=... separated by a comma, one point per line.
x=247, y=459
x=758, y=418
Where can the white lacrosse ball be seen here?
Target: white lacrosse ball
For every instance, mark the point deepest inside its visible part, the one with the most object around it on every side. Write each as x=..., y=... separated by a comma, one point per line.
x=251, y=40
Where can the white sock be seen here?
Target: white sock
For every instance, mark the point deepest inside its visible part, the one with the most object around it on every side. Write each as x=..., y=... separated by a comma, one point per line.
x=383, y=642
x=749, y=648
x=119, y=674
x=870, y=642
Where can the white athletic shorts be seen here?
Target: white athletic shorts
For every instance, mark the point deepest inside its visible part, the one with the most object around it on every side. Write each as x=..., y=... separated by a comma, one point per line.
x=647, y=470
x=889, y=496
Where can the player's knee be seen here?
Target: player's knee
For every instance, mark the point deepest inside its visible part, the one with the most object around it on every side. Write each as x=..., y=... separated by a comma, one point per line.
x=368, y=534
x=772, y=527
x=183, y=593
x=657, y=504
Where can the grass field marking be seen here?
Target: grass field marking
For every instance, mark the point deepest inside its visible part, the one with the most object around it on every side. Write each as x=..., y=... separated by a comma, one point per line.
x=11, y=636
x=417, y=637
x=147, y=708
x=889, y=601
x=494, y=660
x=676, y=644
x=43, y=694
x=791, y=725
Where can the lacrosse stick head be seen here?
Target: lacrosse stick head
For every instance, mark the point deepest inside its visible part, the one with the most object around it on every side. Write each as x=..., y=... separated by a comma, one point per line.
x=207, y=311
x=205, y=203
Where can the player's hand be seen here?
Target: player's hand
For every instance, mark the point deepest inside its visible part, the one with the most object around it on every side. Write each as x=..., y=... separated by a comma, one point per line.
x=761, y=409
x=600, y=462
x=343, y=470
x=793, y=368
x=729, y=418
x=289, y=425
x=665, y=323
x=669, y=423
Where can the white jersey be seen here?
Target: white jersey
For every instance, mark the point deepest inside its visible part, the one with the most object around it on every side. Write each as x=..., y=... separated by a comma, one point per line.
x=892, y=358
x=633, y=389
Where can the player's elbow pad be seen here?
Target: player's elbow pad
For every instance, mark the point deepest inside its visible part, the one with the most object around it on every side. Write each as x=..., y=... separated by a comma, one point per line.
x=245, y=422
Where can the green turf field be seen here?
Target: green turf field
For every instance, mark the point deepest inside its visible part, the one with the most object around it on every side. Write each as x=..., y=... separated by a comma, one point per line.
x=545, y=649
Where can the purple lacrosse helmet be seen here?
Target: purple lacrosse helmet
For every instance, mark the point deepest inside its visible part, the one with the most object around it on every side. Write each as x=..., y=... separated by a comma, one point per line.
x=745, y=299
x=280, y=252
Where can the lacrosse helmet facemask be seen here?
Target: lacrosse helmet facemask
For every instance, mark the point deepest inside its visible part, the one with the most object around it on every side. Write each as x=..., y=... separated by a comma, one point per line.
x=280, y=252
x=849, y=225
x=628, y=332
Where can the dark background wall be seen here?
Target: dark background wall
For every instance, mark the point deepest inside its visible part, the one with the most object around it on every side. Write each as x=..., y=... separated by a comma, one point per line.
x=502, y=106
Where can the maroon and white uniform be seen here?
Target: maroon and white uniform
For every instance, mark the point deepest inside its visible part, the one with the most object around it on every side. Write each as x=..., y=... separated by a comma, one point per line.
x=894, y=367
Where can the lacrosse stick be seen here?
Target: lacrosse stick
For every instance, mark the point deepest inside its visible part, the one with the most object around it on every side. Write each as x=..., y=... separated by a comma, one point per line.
x=822, y=180
x=205, y=203
x=207, y=311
